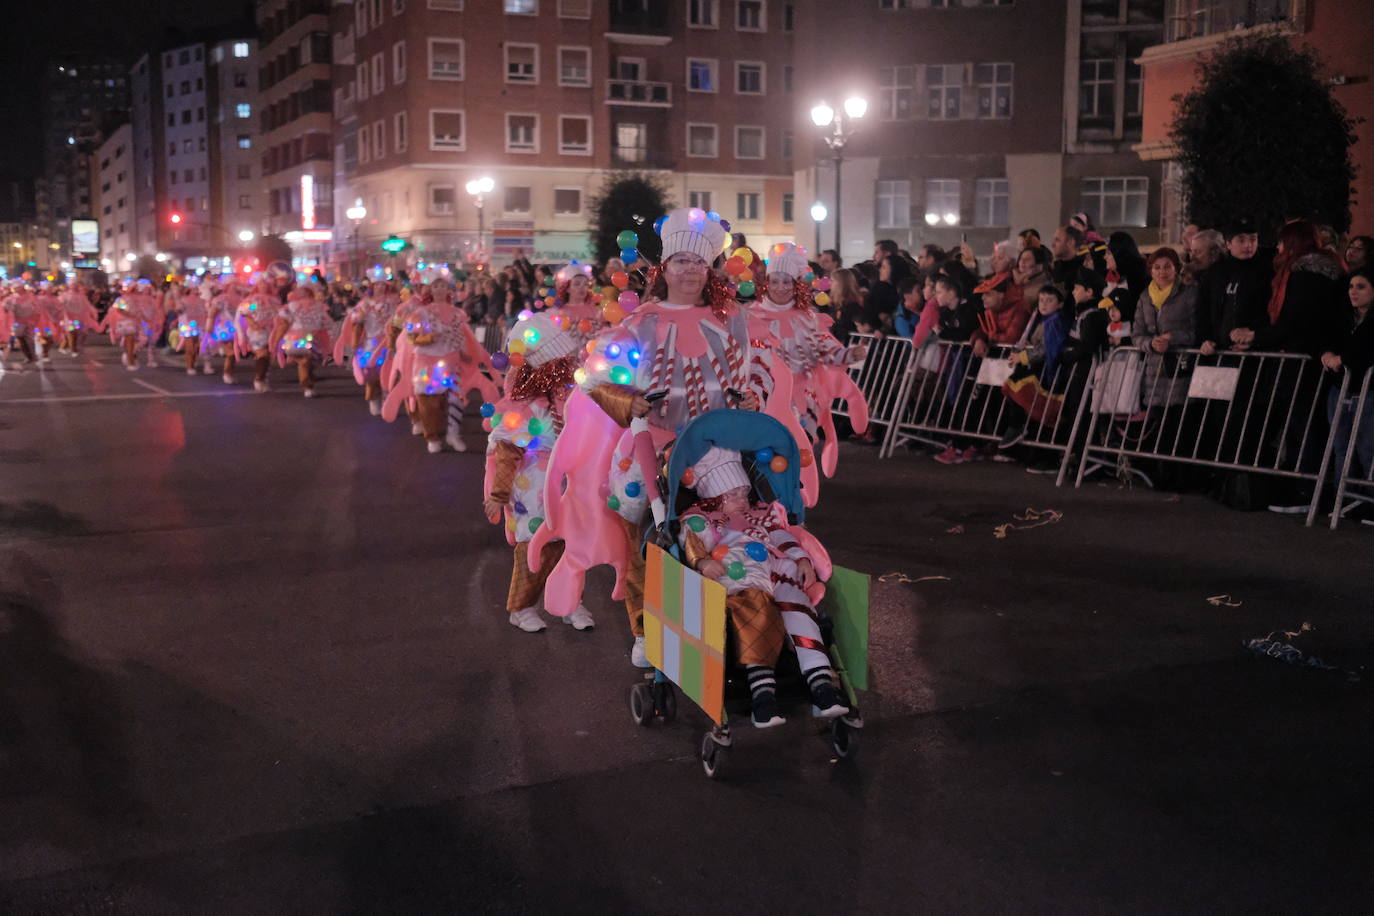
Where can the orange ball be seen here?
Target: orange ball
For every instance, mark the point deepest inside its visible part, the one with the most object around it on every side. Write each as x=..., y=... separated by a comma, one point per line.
x=689, y=478
x=778, y=464
x=807, y=458
x=585, y=325
x=734, y=265
x=517, y=359
x=626, y=464
x=719, y=553
x=512, y=420
x=746, y=274
x=620, y=279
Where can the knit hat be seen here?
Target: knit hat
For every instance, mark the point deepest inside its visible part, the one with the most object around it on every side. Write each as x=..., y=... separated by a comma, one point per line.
x=786, y=258
x=567, y=272
x=692, y=230
x=1090, y=280
x=718, y=471
x=544, y=341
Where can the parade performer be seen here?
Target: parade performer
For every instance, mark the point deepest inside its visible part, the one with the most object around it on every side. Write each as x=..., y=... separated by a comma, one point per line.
x=22, y=317
x=193, y=317
x=800, y=365
x=435, y=354
x=579, y=315
x=49, y=318
x=134, y=321
x=220, y=327
x=367, y=329
x=301, y=334
x=78, y=317
x=524, y=425
x=257, y=315
x=687, y=347
x=762, y=560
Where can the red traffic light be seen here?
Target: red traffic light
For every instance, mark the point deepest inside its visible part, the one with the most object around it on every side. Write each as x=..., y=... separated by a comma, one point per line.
x=175, y=218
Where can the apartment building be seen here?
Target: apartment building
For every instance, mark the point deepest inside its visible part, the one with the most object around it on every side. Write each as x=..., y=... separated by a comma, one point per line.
x=546, y=97
x=116, y=208
x=1341, y=32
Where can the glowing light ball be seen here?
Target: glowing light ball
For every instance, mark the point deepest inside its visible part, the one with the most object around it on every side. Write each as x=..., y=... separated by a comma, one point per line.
x=633, y=357
x=778, y=464
x=522, y=440
x=535, y=426
x=620, y=279
x=696, y=215
x=512, y=420
x=525, y=315
x=531, y=336
x=579, y=375
x=621, y=376
x=613, y=350
x=628, y=301
x=626, y=239
x=499, y=360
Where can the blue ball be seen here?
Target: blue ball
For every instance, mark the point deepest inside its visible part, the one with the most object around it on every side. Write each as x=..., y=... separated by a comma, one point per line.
x=757, y=552
x=658, y=225
x=764, y=455
x=632, y=489
x=629, y=256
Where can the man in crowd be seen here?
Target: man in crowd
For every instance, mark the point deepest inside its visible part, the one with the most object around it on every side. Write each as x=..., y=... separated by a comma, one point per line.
x=1234, y=292
x=930, y=257
x=830, y=261
x=882, y=248
x=1205, y=249
x=1064, y=248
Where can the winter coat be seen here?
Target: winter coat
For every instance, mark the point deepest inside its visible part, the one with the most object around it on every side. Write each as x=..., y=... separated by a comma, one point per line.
x=1356, y=350
x=1315, y=311
x=1088, y=337
x=1167, y=374
x=1233, y=294
x=1046, y=338
x=959, y=323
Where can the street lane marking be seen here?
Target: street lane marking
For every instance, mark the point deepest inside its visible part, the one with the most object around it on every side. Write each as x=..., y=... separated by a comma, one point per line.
x=70, y=399
x=150, y=386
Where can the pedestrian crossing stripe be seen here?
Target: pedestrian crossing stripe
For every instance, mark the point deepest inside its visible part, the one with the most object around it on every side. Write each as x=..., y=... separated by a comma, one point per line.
x=684, y=630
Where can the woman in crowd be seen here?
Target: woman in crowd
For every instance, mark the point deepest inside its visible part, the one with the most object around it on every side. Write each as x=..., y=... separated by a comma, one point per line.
x=1125, y=266
x=1165, y=323
x=848, y=301
x=883, y=302
x=1357, y=252
x=1032, y=271
x=1354, y=354
x=1305, y=312
x=579, y=315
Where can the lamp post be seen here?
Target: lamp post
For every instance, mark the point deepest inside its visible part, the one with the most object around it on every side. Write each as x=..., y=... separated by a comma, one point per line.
x=357, y=213
x=842, y=128
x=818, y=215
x=478, y=188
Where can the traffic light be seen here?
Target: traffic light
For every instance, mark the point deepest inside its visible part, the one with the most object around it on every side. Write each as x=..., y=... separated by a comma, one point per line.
x=175, y=219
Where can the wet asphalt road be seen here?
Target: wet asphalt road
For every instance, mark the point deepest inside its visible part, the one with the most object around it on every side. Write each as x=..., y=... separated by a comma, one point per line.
x=253, y=659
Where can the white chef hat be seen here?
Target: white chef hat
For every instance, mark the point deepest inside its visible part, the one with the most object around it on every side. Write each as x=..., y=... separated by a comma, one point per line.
x=692, y=229
x=787, y=258
x=718, y=471
x=544, y=341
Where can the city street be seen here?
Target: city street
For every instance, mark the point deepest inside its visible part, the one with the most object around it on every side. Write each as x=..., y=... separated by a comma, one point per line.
x=254, y=659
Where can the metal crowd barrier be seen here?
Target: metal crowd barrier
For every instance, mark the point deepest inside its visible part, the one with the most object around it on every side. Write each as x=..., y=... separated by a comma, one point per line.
x=492, y=336
x=947, y=391
x=1355, y=473
x=878, y=375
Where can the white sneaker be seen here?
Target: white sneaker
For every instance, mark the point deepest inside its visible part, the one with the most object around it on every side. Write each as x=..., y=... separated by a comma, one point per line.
x=416, y=429
x=374, y=407
x=638, y=658
x=207, y=368
x=309, y=392
x=190, y=372
x=228, y=379
x=527, y=620
x=434, y=447
x=259, y=385
x=132, y=367
x=581, y=619
x=455, y=442
x=124, y=359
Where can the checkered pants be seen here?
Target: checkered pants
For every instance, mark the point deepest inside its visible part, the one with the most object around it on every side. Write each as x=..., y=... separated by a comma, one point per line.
x=526, y=587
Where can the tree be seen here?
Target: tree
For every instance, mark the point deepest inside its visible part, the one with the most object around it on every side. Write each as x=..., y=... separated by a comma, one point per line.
x=628, y=200
x=272, y=248
x=1261, y=136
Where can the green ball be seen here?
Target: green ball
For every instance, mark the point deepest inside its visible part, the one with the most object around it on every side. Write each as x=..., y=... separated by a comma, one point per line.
x=613, y=503
x=697, y=523
x=736, y=570
x=534, y=524
x=620, y=375
x=626, y=239
x=746, y=288
x=496, y=419
x=536, y=426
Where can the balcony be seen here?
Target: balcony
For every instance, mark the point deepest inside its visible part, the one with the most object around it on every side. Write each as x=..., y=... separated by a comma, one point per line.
x=639, y=17
x=1203, y=18
x=643, y=93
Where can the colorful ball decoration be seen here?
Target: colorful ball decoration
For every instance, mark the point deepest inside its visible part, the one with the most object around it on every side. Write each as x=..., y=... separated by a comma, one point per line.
x=535, y=523
x=725, y=224
x=629, y=255
x=613, y=502
x=499, y=361
x=632, y=489
x=778, y=464
x=620, y=279
x=756, y=551
x=719, y=552
x=822, y=299
x=612, y=312
x=745, y=255
x=746, y=288
x=487, y=410
x=689, y=478
x=460, y=275
x=696, y=523
x=764, y=455
x=746, y=274
x=511, y=420
x=735, y=570
x=517, y=360
x=823, y=284
x=658, y=224
x=626, y=239
x=626, y=464
x=628, y=301
x=808, y=458
x=535, y=426
x=621, y=376
x=734, y=265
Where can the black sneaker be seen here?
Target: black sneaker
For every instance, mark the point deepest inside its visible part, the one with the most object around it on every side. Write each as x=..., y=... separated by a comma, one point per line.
x=827, y=702
x=1012, y=438
x=765, y=710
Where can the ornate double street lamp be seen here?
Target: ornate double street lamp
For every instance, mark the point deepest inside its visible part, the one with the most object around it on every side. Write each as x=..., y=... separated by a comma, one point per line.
x=842, y=128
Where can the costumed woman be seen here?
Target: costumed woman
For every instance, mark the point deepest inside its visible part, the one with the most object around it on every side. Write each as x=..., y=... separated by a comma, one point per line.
x=579, y=315
x=256, y=317
x=367, y=329
x=681, y=353
x=301, y=334
x=192, y=320
x=79, y=317
x=134, y=321
x=800, y=365
x=220, y=327
x=525, y=424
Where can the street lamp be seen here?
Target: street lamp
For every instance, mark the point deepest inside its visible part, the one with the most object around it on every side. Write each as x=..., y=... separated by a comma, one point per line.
x=818, y=215
x=357, y=213
x=247, y=235
x=478, y=187
x=841, y=130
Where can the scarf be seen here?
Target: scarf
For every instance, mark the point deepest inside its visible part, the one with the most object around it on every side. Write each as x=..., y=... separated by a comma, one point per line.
x=1160, y=296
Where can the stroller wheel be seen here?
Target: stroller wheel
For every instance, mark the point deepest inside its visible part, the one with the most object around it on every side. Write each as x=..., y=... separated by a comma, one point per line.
x=844, y=739
x=712, y=756
x=666, y=705
x=641, y=704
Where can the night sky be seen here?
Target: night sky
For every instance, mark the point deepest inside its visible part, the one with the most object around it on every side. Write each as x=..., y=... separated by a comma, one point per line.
x=39, y=29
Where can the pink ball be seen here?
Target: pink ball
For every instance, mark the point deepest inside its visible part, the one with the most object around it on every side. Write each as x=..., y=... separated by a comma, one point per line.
x=629, y=300
x=823, y=284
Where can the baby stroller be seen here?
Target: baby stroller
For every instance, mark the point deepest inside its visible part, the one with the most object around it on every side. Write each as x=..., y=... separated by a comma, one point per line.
x=685, y=621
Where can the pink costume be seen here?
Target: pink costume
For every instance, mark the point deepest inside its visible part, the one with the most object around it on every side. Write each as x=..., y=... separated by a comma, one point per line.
x=220, y=316
x=367, y=328
x=80, y=314
x=254, y=320
x=307, y=328
x=193, y=317
x=583, y=320
x=435, y=354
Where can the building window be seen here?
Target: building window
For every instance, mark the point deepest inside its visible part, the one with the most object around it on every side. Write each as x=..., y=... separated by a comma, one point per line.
x=243, y=110
x=631, y=141
x=185, y=87
x=186, y=116
x=1096, y=89
x=398, y=63
x=245, y=141
x=401, y=126
x=360, y=12
x=446, y=58
x=749, y=142
x=703, y=14
x=398, y=7
x=787, y=207
x=362, y=82
x=574, y=66
x=200, y=113
x=629, y=68
x=749, y=16
x=522, y=7
x=240, y=49
x=749, y=78
x=200, y=84
x=943, y=86
x=172, y=119
x=172, y=148
x=789, y=17
x=575, y=9
x=443, y=199
x=188, y=176
x=376, y=12
x=702, y=200
x=515, y=199
x=364, y=145
x=522, y=63
x=896, y=92
x=702, y=141
x=747, y=205
x=379, y=139
x=942, y=202
x=187, y=145
x=522, y=133
x=994, y=90
x=378, y=72
x=200, y=144
x=574, y=135
x=170, y=91
x=567, y=201
x=446, y=130
x=894, y=204
x=1117, y=201
x=785, y=147
x=701, y=74
x=991, y=202
x=245, y=172
x=240, y=80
